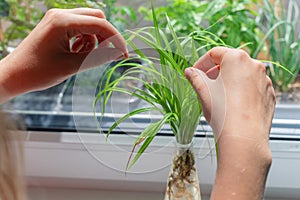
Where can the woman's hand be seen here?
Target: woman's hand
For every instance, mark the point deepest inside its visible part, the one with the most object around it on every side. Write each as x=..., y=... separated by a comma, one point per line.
x=234, y=90
x=46, y=57
x=238, y=102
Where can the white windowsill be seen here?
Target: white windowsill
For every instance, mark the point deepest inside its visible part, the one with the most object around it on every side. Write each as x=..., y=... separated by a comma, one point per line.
x=86, y=160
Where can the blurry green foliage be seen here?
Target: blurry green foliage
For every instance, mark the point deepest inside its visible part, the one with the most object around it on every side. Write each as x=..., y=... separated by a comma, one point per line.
x=121, y=17
x=74, y=4
x=19, y=18
x=232, y=21
x=279, y=21
x=4, y=8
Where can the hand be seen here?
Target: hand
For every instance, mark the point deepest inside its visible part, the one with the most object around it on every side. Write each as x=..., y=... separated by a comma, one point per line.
x=45, y=58
x=234, y=90
x=238, y=102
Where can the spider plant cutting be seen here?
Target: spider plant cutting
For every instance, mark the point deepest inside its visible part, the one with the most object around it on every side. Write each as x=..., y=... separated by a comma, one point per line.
x=167, y=91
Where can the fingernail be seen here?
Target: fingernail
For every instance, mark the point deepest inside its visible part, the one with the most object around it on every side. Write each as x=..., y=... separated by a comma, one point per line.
x=188, y=71
x=125, y=55
x=219, y=67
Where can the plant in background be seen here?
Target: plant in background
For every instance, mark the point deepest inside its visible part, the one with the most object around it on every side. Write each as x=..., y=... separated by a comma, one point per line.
x=232, y=21
x=167, y=92
x=18, y=18
x=185, y=15
x=4, y=12
x=66, y=4
x=278, y=22
x=120, y=16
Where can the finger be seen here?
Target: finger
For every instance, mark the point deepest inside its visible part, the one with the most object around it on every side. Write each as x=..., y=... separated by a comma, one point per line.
x=84, y=43
x=77, y=45
x=212, y=58
x=89, y=42
x=105, y=43
x=117, y=41
x=102, y=42
x=213, y=73
x=199, y=81
x=86, y=11
x=100, y=27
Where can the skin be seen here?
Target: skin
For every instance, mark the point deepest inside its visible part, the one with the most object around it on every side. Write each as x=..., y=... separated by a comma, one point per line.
x=242, y=123
x=45, y=58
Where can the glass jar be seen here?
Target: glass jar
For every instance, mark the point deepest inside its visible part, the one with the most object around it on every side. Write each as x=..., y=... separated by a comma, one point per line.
x=183, y=183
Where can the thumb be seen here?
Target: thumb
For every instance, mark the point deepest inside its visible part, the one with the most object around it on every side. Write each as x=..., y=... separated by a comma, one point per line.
x=200, y=83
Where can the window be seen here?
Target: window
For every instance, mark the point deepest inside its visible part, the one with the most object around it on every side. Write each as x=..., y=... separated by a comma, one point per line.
x=60, y=118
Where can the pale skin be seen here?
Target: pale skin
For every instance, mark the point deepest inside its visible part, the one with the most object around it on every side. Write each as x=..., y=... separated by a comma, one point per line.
x=45, y=59
x=243, y=126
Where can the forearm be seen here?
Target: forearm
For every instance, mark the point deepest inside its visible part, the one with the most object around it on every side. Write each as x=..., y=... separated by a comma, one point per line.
x=13, y=79
x=243, y=166
x=4, y=95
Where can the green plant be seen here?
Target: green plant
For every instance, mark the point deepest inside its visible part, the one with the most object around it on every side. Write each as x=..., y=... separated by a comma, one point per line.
x=167, y=89
x=120, y=16
x=4, y=11
x=18, y=18
x=279, y=25
x=232, y=21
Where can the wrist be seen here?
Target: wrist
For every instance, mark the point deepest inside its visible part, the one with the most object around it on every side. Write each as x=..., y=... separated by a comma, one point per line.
x=13, y=76
x=4, y=94
x=245, y=148
x=243, y=166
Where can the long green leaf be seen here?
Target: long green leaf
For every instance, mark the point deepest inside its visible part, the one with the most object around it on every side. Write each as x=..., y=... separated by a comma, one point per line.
x=128, y=115
x=148, y=135
x=179, y=49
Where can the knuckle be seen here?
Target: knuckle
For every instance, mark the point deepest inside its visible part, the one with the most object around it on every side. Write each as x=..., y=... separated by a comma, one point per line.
x=100, y=13
x=241, y=54
x=214, y=49
x=217, y=51
x=54, y=15
x=195, y=82
x=53, y=12
x=261, y=66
